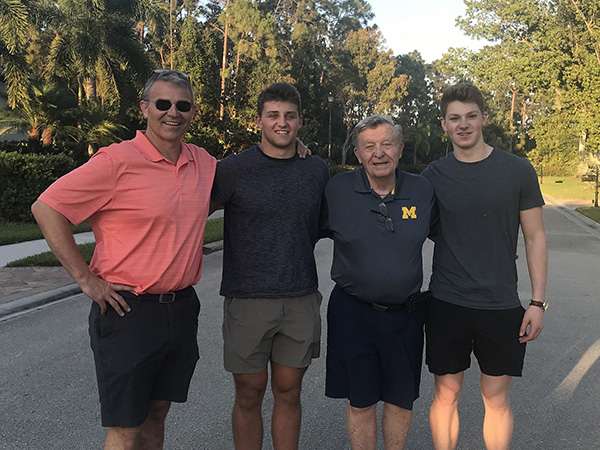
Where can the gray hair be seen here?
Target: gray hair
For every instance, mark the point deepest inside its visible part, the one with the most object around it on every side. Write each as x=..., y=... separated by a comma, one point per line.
x=374, y=122
x=175, y=77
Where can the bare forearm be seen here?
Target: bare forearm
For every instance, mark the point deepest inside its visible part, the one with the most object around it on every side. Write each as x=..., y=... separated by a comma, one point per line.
x=537, y=264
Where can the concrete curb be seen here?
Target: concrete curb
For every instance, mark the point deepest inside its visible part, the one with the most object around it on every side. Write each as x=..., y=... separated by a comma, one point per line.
x=42, y=298
x=39, y=299
x=583, y=221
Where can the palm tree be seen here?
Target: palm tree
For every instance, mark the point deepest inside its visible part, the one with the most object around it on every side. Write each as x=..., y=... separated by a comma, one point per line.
x=96, y=48
x=40, y=115
x=13, y=36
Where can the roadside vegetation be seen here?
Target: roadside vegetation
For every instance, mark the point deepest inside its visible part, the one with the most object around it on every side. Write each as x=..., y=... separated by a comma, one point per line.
x=591, y=212
x=572, y=188
x=212, y=233
x=13, y=233
x=568, y=188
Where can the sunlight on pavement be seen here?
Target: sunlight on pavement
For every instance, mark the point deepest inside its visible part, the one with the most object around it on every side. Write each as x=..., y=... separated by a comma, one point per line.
x=565, y=390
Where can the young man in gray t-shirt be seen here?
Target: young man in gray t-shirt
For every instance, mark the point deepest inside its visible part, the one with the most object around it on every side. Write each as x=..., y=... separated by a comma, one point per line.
x=483, y=194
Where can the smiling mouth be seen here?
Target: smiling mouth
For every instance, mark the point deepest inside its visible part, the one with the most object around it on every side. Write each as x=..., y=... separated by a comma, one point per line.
x=283, y=133
x=172, y=124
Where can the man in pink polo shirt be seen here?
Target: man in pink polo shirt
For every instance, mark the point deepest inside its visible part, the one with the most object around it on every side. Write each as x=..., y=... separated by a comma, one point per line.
x=147, y=201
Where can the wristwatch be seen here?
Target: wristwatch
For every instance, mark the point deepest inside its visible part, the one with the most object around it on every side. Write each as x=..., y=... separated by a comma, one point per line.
x=543, y=305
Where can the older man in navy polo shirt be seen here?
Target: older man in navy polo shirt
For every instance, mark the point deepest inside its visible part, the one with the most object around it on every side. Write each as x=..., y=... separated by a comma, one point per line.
x=378, y=217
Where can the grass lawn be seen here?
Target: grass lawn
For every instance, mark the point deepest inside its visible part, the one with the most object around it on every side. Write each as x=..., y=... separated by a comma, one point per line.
x=12, y=233
x=212, y=233
x=568, y=187
x=591, y=212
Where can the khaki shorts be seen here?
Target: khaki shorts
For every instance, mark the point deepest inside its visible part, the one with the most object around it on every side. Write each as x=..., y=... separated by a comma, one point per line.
x=286, y=331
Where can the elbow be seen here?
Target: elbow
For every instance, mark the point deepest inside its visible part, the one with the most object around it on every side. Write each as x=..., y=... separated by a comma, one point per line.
x=35, y=208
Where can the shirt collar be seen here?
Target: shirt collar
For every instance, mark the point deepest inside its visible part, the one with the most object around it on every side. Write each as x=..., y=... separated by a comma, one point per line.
x=150, y=152
x=361, y=183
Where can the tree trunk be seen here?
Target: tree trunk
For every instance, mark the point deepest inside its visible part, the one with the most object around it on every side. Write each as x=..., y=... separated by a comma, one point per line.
x=582, y=152
x=224, y=63
x=347, y=144
x=33, y=139
x=90, y=89
x=47, y=137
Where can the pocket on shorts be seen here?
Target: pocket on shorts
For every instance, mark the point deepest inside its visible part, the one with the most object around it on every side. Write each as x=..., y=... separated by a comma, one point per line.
x=234, y=308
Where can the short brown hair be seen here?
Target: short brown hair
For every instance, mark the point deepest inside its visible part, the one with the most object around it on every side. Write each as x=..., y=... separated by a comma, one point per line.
x=279, y=92
x=462, y=92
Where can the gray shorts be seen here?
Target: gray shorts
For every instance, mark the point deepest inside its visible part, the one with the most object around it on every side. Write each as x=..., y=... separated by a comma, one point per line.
x=285, y=330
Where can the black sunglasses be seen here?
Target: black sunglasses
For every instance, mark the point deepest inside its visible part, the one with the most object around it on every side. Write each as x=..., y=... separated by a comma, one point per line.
x=389, y=224
x=165, y=105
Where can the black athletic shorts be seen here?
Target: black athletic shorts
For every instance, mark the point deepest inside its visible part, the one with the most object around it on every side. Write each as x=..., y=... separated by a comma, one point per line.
x=148, y=354
x=453, y=332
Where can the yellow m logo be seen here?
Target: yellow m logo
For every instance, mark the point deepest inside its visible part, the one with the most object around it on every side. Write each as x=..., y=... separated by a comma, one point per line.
x=409, y=213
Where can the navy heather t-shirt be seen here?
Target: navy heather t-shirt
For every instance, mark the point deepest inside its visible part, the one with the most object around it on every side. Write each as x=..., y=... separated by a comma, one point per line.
x=271, y=223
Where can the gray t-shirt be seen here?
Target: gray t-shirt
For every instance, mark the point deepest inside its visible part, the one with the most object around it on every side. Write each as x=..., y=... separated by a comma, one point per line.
x=271, y=223
x=476, y=243
x=370, y=262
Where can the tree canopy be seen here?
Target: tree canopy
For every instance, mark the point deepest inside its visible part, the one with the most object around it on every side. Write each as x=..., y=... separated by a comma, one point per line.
x=74, y=71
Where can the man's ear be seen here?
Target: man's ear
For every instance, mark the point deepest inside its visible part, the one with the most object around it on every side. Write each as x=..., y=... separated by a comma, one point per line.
x=144, y=108
x=356, y=153
x=485, y=117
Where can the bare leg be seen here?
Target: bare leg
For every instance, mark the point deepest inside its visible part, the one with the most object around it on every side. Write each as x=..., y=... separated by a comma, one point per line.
x=362, y=427
x=443, y=415
x=152, y=433
x=396, y=423
x=247, y=414
x=286, y=383
x=118, y=438
x=148, y=436
x=498, y=421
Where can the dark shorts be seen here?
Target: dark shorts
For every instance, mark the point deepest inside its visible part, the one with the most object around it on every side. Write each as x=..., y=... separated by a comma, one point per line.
x=149, y=354
x=372, y=355
x=453, y=332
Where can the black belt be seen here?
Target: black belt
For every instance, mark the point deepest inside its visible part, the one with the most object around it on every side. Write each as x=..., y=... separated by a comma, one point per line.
x=414, y=302
x=167, y=297
x=385, y=308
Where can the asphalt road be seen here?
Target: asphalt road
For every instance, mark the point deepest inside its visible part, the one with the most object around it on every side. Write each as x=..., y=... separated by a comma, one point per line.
x=48, y=396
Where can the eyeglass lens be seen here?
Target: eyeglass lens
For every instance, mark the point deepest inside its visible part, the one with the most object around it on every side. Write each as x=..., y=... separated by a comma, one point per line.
x=165, y=105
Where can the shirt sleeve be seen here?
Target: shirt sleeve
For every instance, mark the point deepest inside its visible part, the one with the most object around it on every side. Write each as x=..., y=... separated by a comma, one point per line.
x=83, y=191
x=223, y=185
x=530, y=195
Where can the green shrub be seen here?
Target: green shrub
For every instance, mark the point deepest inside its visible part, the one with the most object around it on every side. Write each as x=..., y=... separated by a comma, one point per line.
x=23, y=177
x=413, y=168
x=14, y=146
x=334, y=169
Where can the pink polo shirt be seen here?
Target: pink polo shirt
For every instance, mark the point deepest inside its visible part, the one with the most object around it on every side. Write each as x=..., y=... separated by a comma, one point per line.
x=147, y=214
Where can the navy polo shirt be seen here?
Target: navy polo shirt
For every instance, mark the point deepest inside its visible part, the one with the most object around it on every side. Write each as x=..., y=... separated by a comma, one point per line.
x=370, y=262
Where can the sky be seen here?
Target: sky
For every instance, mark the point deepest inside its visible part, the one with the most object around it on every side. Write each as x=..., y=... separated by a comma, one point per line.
x=426, y=25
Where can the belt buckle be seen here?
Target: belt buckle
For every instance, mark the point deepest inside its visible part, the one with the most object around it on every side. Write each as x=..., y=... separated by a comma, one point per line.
x=380, y=307
x=167, y=297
